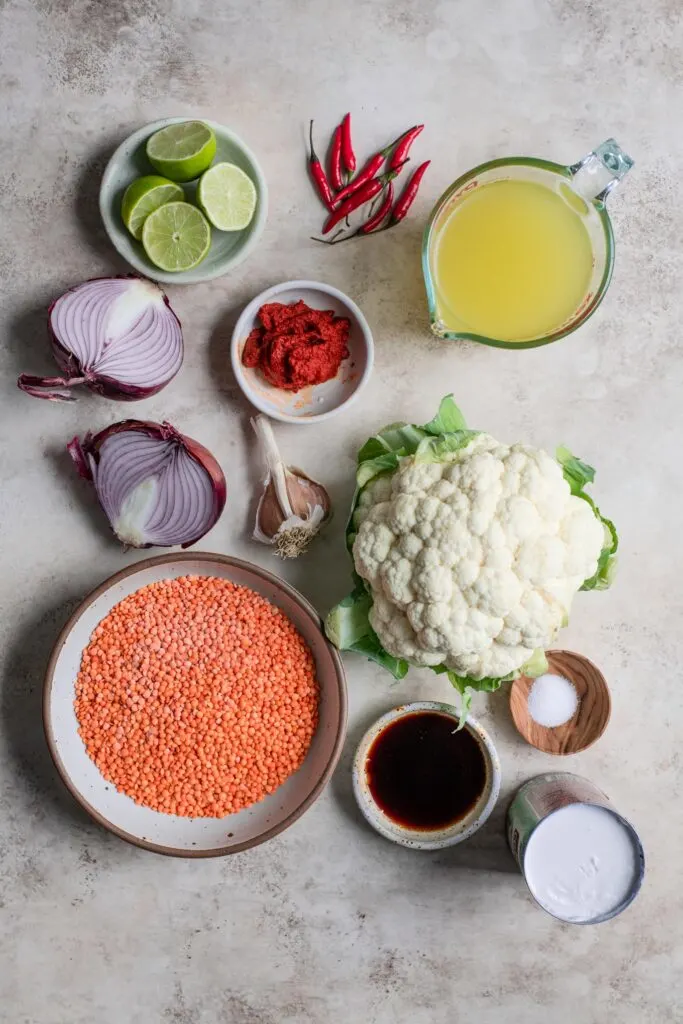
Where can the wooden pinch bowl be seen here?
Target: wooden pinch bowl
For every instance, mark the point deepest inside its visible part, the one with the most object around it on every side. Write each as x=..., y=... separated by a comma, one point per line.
x=590, y=719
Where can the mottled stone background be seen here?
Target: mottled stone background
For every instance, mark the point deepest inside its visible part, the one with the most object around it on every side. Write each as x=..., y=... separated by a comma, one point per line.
x=330, y=924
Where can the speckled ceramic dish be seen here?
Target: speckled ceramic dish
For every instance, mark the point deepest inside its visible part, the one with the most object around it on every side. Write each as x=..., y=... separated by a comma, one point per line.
x=166, y=833
x=312, y=404
x=228, y=248
x=432, y=839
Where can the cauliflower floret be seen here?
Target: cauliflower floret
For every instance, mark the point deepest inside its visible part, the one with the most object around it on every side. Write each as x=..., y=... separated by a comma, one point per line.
x=376, y=493
x=404, y=513
x=372, y=547
x=434, y=583
x=473, y=562
x=415, y=477
x=398, y=636
x=396, y=578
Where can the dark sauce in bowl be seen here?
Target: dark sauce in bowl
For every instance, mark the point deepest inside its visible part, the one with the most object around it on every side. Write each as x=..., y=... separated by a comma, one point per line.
x=423, y=774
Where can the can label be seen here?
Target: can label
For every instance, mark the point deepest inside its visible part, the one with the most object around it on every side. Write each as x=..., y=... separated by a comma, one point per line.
x=538, y=798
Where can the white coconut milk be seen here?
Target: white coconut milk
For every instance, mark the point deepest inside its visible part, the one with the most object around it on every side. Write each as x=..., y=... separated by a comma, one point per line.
x=581, y=862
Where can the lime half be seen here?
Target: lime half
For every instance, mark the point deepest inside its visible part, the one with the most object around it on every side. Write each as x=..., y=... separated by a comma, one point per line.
x=176, y=236
x=227, y=196
x=182, y=151
x=143, y=196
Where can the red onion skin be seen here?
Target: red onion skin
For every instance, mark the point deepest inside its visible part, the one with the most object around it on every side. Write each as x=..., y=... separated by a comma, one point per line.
x=78, y=456
x=91, y=444
x=39, y=387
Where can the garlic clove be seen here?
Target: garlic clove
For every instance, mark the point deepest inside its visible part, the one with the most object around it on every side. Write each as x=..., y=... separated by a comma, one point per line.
x=309, y=506
x=293, y=506
x=269, y=516
x=305, y=493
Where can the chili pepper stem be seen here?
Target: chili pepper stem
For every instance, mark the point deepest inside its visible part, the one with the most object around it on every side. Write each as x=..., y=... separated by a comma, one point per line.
x=331, y=241
x=336, y=240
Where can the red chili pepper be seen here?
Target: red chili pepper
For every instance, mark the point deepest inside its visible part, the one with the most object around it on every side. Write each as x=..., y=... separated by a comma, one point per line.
x=400, y=154
x=377, y=218
x=363, y=195
x=335, y=160
x=348, y=155
x=405, y=200
x=367, y=174
x=358, y=198
x=319, y=177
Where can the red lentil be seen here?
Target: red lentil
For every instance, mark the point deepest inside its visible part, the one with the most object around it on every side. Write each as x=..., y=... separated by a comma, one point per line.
x=196, y=697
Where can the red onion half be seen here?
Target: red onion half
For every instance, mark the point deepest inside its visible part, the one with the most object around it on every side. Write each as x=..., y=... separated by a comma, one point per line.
x=117, y=335
x=156, y=486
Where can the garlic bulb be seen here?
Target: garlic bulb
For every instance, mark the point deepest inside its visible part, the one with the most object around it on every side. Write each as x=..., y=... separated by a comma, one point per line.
x=293, y=507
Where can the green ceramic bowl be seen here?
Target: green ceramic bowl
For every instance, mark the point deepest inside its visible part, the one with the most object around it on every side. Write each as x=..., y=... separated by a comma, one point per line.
x=228, y=248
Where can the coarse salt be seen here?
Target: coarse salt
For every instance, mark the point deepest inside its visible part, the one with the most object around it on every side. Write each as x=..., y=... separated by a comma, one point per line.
x=552, y=700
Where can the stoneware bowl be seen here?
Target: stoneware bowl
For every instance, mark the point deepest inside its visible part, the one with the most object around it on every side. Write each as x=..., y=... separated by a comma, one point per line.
x=592, y=714
x=228, y=248
x=419, y=839
x=320, y=402
x=166, y=833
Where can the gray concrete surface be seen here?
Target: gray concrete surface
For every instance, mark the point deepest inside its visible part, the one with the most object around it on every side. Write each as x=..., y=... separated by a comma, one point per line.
x=328, y=923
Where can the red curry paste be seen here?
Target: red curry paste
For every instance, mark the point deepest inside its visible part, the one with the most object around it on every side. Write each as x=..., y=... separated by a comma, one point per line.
x=296, y=345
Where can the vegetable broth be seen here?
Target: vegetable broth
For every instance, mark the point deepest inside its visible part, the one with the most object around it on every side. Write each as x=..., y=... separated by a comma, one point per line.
x=513, y=260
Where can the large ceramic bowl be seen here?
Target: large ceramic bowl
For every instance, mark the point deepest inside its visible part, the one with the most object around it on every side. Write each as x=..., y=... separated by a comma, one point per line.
x=228, y=248
x=166, y=833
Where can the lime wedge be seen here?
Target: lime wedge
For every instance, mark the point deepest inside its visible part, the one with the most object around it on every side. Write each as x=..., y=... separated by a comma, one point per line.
x=227, y=196
x=182, y=151
x=176, y=236
x=143, y=196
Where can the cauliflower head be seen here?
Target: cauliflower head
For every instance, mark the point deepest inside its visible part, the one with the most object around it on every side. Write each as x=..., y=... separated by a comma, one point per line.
x=473, y=562
x=467, y=552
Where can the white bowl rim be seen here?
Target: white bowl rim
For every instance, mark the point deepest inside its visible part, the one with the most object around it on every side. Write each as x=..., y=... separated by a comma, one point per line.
x=170, y=851
x=248, y=313
x=257, y=225
x=440, y=838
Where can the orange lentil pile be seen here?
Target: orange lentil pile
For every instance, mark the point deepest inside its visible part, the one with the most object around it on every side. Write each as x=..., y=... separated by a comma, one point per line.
x=196, y=697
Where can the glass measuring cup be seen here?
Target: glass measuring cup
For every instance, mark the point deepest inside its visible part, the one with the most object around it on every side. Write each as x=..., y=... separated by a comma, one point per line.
x=585, y=186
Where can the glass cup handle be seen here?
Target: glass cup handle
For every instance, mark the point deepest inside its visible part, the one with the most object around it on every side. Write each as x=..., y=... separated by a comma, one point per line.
x=599, y=172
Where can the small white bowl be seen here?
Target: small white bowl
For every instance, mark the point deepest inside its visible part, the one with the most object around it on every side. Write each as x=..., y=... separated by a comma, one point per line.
x=423, y=839
x=228, y=248
x=311, y=404
x=168, y=833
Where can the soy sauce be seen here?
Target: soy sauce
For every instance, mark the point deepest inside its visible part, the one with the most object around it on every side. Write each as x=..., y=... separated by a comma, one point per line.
x=423, y=774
